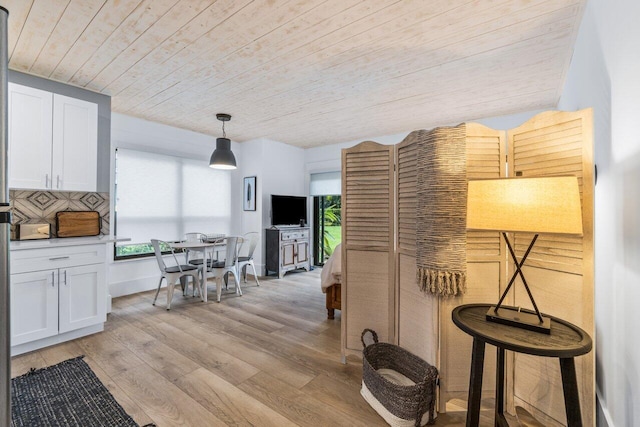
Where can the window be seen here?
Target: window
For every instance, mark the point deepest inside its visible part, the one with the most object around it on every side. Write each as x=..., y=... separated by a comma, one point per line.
x=163, y=197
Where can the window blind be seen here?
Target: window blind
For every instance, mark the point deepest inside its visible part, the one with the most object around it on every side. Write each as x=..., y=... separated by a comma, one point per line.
x=163, y=197
x=325, y=184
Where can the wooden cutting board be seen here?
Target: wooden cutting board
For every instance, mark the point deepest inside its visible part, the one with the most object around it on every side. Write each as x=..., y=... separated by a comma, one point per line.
x=77, y=223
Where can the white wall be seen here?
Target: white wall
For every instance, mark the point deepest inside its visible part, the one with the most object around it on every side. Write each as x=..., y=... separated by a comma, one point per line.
x=252, y=155
x=130, y=276
x=279, y=169
x=604, y=74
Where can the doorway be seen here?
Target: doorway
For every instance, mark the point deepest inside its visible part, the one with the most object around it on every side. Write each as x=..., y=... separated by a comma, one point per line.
x=327, y=226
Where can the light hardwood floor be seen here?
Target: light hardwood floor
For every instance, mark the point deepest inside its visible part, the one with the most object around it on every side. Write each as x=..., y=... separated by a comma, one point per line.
x=268, y=358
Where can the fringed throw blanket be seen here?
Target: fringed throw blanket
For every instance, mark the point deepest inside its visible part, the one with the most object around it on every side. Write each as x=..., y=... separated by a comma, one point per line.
x=441, y=236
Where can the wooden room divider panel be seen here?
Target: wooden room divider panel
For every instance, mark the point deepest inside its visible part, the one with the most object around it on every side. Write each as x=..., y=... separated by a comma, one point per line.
x=424, y=320
x=418, y=321
x=368, y=243
x=486, y=266
x=560, y=268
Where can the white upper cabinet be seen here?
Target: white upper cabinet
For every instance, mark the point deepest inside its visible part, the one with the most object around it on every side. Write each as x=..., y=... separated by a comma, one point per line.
x=75, y=144
x=53, y=141
x=30, y=131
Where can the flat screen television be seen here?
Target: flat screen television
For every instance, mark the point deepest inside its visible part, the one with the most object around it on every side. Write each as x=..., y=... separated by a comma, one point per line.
x=288, y=210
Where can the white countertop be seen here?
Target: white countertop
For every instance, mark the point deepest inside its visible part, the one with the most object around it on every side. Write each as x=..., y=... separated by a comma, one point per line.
x=16, y=245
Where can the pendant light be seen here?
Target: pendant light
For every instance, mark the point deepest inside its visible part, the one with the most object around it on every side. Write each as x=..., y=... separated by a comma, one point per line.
x=222, y=157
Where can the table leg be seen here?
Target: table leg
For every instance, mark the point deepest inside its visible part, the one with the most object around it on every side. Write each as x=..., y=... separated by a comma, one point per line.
x=500, y=420
x=204, y=274
x=475, y=383
x=570, y=389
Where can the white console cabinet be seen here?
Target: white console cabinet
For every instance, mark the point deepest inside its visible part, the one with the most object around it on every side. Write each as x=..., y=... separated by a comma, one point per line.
x=57, y=294
x=53, y=141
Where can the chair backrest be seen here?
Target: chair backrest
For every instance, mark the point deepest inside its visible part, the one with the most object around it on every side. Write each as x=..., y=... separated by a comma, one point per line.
x=156, y=249
x=250, y=241
x=231, y=251
x=158, y=252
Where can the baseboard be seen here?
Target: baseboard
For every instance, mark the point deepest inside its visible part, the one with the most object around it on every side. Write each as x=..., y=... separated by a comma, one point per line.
x=134, y=286
x=143, y=284
x=56, y=339
x=603, y=417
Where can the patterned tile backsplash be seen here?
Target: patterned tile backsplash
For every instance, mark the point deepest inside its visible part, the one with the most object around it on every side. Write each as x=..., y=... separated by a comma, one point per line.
x=33, y=206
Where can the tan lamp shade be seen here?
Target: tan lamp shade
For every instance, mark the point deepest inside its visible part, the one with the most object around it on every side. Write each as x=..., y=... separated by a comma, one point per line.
x=536, y=205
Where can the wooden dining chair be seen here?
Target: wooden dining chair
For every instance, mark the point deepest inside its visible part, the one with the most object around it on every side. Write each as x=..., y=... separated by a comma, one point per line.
x=172, y=273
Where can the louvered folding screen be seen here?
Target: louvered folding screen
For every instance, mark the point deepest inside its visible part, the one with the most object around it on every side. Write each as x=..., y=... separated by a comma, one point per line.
x=367, y=243
x=486, y=153
x=424, y=321
x=559, y=269
x=418, y=328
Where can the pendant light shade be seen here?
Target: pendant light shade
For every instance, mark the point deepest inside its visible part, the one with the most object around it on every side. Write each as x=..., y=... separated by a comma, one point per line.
x=222, y=157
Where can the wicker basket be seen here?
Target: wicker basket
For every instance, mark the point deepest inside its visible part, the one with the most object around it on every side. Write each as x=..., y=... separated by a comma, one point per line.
x=408, y=398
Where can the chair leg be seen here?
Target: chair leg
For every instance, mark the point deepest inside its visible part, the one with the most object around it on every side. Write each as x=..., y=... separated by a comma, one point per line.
x=184, y=284
x=255, y=274
x=218, y=287
x=157, y=290
x=196, y=284
x=170, y=287
x=203, y=284
x=244, y=272
x=237, y=279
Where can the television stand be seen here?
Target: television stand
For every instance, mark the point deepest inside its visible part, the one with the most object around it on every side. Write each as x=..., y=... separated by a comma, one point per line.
x=287, y=249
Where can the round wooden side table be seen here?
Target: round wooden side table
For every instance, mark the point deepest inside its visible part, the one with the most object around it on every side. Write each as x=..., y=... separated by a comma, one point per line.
x=565, y=342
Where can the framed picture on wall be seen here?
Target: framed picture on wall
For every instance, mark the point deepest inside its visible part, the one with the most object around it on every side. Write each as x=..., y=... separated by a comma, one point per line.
x=249, y=194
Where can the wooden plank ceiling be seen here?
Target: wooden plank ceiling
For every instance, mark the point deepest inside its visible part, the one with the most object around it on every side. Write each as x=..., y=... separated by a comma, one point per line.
x=303, y=72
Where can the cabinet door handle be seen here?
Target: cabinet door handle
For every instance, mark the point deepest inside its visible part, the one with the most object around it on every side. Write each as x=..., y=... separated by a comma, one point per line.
x=53, y=279
x=58, y=258
x=58, y=181
x=65, y=277
x=46, y=180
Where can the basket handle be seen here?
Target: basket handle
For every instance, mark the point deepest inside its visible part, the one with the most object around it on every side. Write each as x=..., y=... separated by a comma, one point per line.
x=431, y=378
x=373, y=337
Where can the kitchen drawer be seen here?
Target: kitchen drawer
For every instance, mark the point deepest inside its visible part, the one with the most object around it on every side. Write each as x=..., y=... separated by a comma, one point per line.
x=292, y=235
x=47, y=258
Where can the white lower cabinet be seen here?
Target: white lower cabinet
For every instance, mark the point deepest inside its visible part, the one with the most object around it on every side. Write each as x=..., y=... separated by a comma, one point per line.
x=34, y=306
x=82, y=297
x=56, y=304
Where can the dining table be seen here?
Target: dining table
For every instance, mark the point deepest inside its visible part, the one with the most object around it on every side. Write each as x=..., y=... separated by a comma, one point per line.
x=204, y=247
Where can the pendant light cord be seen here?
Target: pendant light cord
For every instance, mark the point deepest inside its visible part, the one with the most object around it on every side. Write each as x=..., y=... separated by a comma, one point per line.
x=224, y=134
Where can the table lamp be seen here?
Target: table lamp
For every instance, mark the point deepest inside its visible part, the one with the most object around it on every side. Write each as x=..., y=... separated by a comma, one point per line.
x=532, y=205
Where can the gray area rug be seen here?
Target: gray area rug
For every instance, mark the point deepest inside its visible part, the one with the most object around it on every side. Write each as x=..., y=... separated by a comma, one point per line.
x=66, y=394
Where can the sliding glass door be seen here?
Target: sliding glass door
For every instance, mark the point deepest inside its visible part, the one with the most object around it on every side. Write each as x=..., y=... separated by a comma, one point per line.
x=327, y=226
